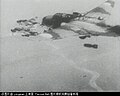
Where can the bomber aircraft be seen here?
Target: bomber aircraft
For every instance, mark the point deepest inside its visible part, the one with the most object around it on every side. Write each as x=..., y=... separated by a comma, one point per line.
x=91, y=23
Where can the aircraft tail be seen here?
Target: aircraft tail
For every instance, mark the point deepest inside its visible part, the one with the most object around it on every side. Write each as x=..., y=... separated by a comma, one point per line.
x=102, y=11
x=114, y=18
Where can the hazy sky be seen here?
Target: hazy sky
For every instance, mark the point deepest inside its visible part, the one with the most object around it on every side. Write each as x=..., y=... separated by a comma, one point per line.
x=12, y=10
x=35, y=7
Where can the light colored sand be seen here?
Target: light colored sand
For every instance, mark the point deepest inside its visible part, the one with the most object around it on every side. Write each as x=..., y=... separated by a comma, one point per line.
x=104, y=60
x=94, y=77
x=34, y=66
x=61, y=65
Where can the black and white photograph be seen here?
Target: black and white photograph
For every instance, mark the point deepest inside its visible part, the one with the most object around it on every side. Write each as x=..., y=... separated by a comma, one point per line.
x=59, y=45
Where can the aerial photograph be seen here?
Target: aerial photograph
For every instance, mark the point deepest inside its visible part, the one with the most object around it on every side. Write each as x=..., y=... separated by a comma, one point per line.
x=59, y=46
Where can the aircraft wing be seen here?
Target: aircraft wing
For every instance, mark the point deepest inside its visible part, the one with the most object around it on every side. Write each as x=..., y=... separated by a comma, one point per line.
x=90, y=24
x=100, y=13
x=93, y=21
